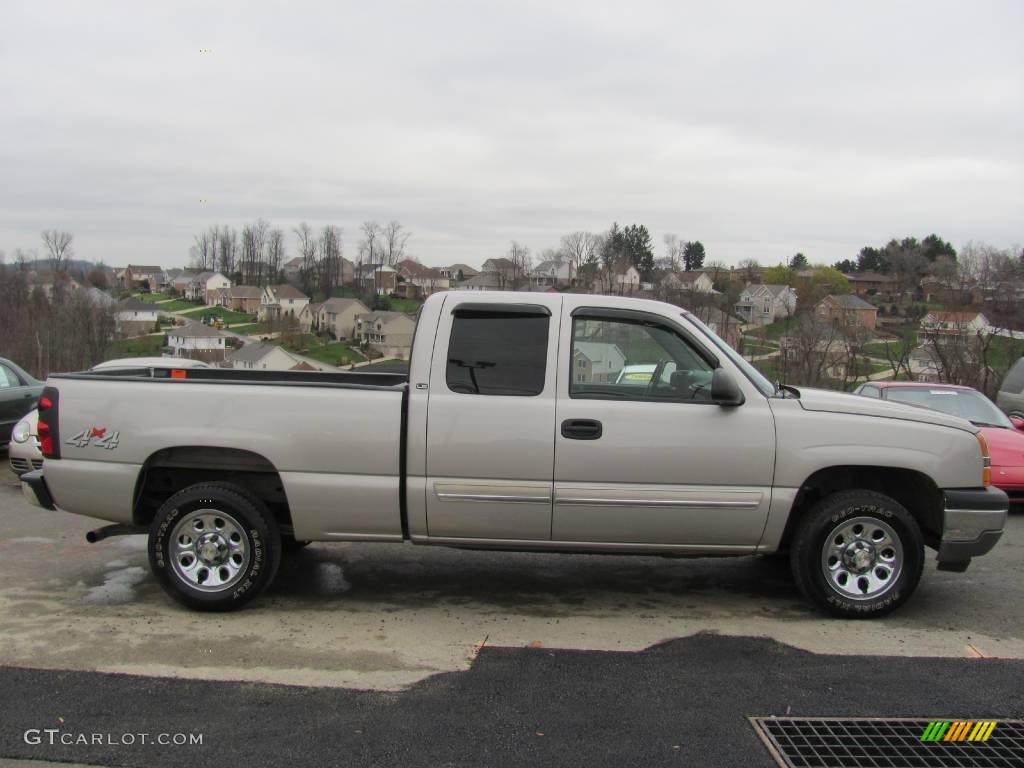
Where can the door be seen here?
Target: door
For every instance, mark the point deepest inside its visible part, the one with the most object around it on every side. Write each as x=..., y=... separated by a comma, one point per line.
x=15, y=401
x=642, y=455
x=491, y=420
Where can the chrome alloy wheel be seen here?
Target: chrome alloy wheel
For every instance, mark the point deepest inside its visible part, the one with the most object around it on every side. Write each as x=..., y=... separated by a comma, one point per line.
x=208, y=550
x=862, y=558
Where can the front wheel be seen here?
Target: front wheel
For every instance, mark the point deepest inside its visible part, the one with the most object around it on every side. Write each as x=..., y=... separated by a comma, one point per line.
x=214, y=547
x=858, y=554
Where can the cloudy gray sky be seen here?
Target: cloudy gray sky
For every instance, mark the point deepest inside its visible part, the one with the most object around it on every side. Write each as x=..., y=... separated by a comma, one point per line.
x=759, y=128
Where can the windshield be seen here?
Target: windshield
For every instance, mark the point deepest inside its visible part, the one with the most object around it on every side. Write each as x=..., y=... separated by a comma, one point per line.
x=755, y=376
x=965, y=403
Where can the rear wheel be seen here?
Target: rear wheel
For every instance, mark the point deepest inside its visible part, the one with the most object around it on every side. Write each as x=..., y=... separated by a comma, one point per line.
x=214, y=547
x=858, y=554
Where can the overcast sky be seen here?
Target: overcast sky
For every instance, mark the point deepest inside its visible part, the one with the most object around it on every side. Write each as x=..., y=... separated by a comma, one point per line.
x=760, y=128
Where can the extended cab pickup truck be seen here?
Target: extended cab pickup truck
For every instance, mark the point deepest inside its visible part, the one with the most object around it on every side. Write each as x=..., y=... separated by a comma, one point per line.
x=515, y=430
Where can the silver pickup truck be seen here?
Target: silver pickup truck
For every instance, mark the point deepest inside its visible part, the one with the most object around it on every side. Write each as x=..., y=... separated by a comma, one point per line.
x=565, y=423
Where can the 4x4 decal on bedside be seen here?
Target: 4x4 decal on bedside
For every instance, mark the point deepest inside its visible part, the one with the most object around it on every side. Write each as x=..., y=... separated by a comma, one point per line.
x=98, y=436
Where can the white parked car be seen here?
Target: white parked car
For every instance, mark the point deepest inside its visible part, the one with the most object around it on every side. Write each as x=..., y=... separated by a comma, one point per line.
x=24, y=452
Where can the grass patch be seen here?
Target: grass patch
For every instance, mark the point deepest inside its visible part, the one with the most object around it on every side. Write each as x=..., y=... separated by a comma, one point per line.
x=252, y=329
x=143, y=346
x=756, y=348
x=332, y=353
x=408, y=306
x=227, y=315
x=773, y=331
x=1004, y=352
x=876, y=348
x=335, y=353
x=175, y=306
x=152, y=298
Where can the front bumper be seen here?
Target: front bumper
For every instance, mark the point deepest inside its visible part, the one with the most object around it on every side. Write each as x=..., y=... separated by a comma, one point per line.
x=24, y=457
x=33, y=488
x=972, y=523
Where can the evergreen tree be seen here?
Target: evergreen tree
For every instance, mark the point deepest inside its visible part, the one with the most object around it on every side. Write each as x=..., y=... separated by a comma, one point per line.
x=693, y=255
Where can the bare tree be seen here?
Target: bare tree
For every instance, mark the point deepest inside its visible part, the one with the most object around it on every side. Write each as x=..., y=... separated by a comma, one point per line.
x=673, y=251
x=716, y=270
x=371, y=234
x=329, y=265
x=580, y=248
x=58, y=248
x=811, y=351
x=522, y=262
x=395, y=237
x=227, y=251
x=898, y=356
x=275, y=255
x=308, y=248
x=203, y=251
x=254, y=242
x=750, y=268
x=369, y=255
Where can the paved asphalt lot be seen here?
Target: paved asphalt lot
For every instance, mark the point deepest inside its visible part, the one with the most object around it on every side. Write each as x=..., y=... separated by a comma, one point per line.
x=385, y=655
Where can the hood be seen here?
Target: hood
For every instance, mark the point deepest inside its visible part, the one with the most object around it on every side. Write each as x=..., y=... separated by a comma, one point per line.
x=843, y=402
x=1006, y=446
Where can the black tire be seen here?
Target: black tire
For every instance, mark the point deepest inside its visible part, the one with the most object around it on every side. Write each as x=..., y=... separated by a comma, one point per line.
x=832, y=524
x=247, y=528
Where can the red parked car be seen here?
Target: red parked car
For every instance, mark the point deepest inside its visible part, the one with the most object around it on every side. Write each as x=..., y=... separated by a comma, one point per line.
x=1005, y=436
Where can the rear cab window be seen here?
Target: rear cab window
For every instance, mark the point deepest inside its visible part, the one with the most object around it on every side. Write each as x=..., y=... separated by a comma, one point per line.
x=498, y=352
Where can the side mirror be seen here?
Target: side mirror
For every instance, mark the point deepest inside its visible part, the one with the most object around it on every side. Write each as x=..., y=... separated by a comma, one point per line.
x=724, y=390
x=1018, y=422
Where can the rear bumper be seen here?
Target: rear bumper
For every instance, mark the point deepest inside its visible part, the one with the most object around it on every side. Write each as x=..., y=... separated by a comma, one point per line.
x=972, y=523
x=33, y=488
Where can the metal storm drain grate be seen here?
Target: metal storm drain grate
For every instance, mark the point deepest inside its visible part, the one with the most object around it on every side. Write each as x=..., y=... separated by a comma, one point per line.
x=833, y=742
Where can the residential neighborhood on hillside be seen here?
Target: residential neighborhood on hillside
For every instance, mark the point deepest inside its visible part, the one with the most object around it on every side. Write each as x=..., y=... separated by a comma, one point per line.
x=948, y=320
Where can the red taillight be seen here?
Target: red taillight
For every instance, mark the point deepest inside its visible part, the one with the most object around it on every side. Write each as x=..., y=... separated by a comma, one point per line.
x=48, y=428
x=45, y=437
x=177, y=373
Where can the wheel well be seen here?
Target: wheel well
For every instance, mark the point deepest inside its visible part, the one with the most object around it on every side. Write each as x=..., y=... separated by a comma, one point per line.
x=914, y=490
x=170, y=470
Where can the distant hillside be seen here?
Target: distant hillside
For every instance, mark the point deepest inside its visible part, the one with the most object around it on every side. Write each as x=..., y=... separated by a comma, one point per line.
x=75, y=265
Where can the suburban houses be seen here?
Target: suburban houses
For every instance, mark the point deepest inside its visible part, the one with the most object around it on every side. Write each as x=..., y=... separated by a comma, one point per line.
x=135, y=277
x=242, y=298
x=198, y=342
x=556, y=274
x=849, y=310
x=135, y=318
x=761, y=304
x=337, y=317
x=389, y=331
x=207, y=287
x=957, y=323
x=260, y=356
x=596, y=362
x=278, y=301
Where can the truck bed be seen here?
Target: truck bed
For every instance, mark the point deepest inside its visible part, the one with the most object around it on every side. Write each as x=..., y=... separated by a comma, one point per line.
x=244, y=376
x=333, y=440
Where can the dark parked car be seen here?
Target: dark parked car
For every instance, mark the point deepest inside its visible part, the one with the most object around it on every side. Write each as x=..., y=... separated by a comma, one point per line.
x=1011, y=392
x=19, y=393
